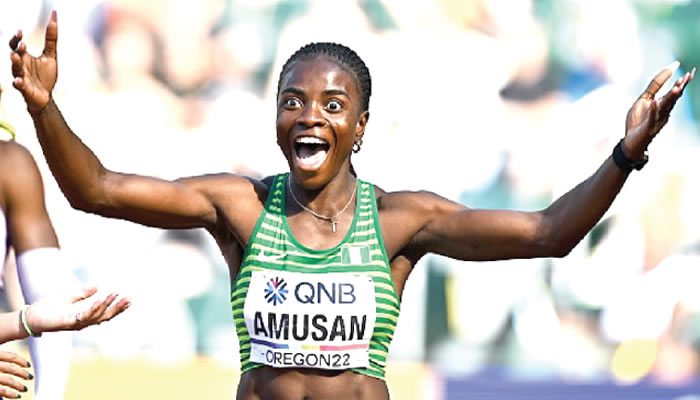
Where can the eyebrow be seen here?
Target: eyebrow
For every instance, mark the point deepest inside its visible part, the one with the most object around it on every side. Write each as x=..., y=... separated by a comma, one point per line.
x=335, y=92
x=328, y=92
x=293, y=90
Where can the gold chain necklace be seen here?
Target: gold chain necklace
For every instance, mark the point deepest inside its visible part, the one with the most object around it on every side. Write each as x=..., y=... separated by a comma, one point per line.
x=334, y=219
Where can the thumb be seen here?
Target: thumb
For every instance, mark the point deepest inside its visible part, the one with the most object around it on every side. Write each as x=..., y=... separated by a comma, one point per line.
x=51, y=36
x=84, y=294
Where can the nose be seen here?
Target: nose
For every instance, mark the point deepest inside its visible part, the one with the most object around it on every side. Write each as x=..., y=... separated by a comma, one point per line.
x=311, y=116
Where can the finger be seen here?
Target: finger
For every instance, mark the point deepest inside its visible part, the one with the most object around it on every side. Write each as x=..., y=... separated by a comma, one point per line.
x=7, y=393
x=14, y=41
x=13, y=369
x=7, y=383
x=11, y=375
x=97, y=309
x=17, y=66
x=86, y=292
x=13, y=358
x=19, y=84
x=21, y=49
x=680, y=80
x=51, y=36
x=659, y=80
x=669, y=100
x=117, y=309
x=104, y=305
x=652, y=118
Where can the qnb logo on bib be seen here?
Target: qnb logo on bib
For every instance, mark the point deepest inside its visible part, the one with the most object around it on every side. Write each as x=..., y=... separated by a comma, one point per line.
x=308, y=320
x=276, y=291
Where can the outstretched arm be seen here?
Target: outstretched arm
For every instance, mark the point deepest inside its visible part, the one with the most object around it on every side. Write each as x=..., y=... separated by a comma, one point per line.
x=39, y=267
x=62, y=312
x=466, y=234
x=86, y=183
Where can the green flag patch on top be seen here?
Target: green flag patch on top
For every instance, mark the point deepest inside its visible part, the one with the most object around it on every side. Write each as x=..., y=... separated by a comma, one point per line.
x=354, y=255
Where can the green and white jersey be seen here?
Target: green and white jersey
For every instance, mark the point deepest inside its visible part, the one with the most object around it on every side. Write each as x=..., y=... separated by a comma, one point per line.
x=296, y=307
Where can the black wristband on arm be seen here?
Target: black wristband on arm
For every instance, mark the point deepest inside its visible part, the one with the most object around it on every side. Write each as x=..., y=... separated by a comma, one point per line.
x=624, y=163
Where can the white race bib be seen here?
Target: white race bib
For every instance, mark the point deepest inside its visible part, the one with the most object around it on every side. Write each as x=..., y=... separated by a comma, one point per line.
x=303, y=320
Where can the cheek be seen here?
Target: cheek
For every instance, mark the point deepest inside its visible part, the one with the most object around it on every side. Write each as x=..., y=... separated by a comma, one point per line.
x=282, y=142
x=281, y=127
x=349, y=126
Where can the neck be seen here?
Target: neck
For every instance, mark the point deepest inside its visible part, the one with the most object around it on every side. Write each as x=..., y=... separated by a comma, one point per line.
x=327, y=201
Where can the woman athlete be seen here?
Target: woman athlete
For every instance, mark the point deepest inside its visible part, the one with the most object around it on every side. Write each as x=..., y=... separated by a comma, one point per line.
x=318, y=257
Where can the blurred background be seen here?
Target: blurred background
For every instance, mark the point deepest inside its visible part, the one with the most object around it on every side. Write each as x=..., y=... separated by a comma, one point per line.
x=494, y=104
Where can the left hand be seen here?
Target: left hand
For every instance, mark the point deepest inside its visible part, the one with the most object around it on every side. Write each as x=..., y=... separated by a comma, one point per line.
x=65, y=313
x=648, y=114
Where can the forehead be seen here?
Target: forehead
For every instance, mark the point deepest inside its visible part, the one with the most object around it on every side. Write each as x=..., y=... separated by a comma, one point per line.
x=319, y=71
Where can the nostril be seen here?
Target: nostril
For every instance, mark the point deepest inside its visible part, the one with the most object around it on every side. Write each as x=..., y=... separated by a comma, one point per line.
x=312, y=122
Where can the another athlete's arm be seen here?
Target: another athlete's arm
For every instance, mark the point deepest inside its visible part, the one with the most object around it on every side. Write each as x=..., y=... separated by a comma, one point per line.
x=28, y=222
x=40, y=267
x=65, y=312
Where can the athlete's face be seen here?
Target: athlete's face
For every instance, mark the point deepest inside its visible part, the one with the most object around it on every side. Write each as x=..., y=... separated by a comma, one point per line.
x=318, y=120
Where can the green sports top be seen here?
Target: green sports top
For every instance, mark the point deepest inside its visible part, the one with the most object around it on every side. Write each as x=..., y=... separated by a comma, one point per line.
x=295, y=307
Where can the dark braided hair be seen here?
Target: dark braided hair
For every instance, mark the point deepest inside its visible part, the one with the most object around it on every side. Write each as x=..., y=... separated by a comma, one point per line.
x=344, y=56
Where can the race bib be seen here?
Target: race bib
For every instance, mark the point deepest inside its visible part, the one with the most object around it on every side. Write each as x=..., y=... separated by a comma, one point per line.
x=298, y=320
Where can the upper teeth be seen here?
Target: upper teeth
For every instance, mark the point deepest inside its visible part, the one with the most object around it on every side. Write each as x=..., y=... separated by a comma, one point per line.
x=310, y=140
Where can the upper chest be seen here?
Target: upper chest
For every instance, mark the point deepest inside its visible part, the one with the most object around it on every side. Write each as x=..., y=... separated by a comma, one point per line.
x=266, y=214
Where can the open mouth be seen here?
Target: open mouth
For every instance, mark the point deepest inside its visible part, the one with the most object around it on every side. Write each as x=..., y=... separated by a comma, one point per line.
x=311, y=152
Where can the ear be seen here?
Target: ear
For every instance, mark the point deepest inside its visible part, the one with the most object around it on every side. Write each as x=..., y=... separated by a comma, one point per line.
x=361, y=125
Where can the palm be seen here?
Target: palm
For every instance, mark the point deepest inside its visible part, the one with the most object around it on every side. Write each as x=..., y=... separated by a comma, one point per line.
x=648, y=115
x=40, y=79
x=53, y=315
x=74, y=312
x=35, y=77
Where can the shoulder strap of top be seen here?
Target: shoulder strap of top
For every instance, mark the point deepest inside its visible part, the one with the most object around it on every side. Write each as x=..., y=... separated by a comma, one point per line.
x=275, y=198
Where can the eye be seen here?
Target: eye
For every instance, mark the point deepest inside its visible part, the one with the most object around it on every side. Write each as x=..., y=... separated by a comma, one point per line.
x=334, y=106
x=291, y=102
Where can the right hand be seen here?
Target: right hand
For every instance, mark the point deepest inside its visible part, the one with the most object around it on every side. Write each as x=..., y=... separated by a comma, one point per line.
x=35, y=77
x=11, y=366
x=73, y=312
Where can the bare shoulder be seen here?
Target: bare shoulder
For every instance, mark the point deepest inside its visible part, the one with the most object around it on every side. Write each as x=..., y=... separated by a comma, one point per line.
x=420, y=202
x=20, y=179
x=15, y=155
x=17, y=165
x=222, y=187
x=240, y=199
x=404, y=215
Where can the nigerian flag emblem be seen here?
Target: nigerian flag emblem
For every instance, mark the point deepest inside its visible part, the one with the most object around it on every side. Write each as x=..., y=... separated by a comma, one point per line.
x=354, y=255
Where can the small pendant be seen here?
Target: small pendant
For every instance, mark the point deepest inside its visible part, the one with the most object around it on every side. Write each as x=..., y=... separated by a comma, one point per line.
x=333, y=225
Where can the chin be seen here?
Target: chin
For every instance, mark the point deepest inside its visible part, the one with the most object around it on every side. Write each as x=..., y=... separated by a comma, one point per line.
x=310, y=180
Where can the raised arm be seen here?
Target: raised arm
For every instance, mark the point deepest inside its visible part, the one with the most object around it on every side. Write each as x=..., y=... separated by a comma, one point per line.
x=461, y=233
x=86, y=183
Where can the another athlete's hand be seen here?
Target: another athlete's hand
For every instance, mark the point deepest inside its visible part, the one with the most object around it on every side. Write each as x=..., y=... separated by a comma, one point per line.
x=35, y=77
x=12, y=366
x=648, y=114
x=72, y=312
